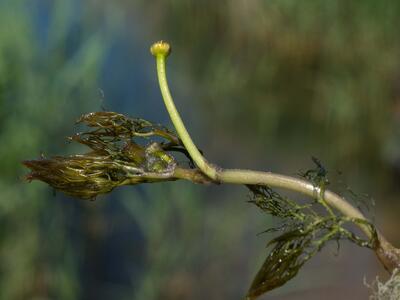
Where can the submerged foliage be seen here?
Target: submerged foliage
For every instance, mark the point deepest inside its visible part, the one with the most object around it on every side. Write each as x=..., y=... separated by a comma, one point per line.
x=389, y=290
x=118, y=156
x=307, y=228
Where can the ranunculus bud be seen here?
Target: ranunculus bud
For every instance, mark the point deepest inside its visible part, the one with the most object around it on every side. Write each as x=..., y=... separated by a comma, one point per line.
x=124, y=151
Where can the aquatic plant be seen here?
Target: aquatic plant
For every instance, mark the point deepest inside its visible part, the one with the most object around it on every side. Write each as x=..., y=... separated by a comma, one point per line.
x=128, y=151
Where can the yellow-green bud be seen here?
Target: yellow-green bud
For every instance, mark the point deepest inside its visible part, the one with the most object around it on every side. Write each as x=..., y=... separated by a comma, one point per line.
x=160, y=48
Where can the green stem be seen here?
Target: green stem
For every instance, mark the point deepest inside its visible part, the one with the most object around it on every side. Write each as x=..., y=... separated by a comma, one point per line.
x=160, y=51
x=238, y=176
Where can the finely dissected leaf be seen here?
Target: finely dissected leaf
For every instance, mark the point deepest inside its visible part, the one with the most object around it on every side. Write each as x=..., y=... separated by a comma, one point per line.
x=282, y=263
x=84, y=176
x=118, y=156
x=306, y=229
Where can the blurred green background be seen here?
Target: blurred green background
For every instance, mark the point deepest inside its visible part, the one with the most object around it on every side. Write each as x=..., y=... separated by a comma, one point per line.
x=260, y=84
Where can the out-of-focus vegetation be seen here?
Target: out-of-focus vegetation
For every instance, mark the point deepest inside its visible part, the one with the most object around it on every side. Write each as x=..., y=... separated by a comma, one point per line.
x=263, y=84
x=49, y=65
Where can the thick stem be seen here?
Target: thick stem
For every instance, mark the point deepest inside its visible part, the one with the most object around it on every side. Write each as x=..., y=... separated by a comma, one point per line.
x=192, y=175
x=238, y=176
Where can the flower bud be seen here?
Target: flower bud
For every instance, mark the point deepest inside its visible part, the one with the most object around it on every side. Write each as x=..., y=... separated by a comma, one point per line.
x=160, y=48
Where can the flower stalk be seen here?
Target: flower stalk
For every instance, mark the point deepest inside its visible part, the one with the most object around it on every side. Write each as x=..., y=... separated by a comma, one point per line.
x=160, y=51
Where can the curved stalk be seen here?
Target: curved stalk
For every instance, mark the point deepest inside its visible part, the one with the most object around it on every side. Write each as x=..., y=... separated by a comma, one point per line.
x=388, y=255
x=161, y=50
x=238, y=176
